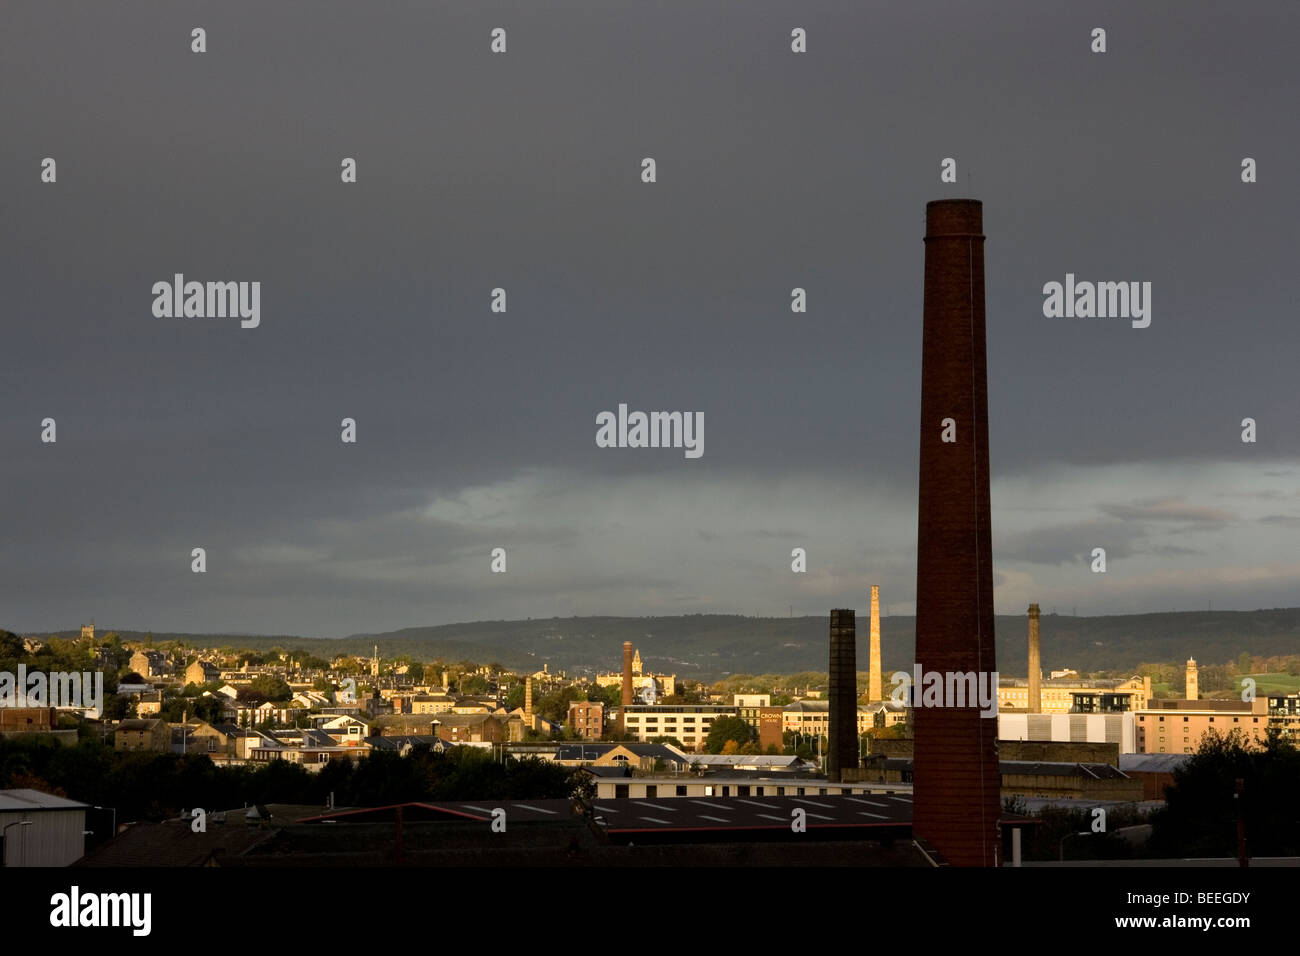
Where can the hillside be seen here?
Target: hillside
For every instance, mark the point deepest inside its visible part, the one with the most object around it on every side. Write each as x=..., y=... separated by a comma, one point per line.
x=710, y=646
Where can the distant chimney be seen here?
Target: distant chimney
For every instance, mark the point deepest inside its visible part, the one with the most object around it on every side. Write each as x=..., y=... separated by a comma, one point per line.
x=842, y=749
x=1193, y=682
x=874, y=691
x=1035, y=664
x=627, y=673
x=528, y=697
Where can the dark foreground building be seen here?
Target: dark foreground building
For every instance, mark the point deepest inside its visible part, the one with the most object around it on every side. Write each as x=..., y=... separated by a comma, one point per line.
x=956, y=762
x=842, y=722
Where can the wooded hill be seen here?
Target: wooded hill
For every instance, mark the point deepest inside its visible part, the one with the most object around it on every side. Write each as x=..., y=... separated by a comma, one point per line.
x=711, y=646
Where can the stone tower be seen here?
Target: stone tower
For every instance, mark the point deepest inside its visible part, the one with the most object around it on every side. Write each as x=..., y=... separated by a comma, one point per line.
x=875, y=690
x=1193, y=681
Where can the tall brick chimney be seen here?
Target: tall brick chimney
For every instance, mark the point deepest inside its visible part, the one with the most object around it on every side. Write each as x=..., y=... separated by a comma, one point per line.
x=1035, y=664
x=957, y=787
x=1193, y=681
x=627, y=673
x=874, y=688
x=528, y=697
x=842, y=722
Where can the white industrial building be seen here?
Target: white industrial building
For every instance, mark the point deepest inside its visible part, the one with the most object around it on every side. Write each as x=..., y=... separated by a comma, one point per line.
x=39, y=829
x=1089, y=728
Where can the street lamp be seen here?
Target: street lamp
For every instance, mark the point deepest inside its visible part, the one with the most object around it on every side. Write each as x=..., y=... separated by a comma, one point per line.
x=4, y=840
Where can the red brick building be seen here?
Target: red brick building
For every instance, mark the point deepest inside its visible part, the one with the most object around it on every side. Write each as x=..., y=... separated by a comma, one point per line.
x=587, y=719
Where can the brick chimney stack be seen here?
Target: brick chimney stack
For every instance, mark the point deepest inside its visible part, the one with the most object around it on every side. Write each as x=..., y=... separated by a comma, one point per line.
x=1035, y=664
x=957, y=784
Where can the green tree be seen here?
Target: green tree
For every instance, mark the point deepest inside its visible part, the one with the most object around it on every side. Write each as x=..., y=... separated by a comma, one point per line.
x=270, y=687
x=515, y=698
x=472, y=684
x=115, y=707
x=609, y=696
x=555, y=705
x=176, y=709
x=725, y=729
x=1245, y=663
x=1200, y=814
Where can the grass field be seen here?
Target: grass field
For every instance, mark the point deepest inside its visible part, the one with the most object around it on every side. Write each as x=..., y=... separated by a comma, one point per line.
x=1265, y=684
x=1276, y=683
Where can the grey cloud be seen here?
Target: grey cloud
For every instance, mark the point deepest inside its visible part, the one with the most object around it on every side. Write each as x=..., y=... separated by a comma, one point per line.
x=1166, y=509
x=1068, y=543
x=521, y=171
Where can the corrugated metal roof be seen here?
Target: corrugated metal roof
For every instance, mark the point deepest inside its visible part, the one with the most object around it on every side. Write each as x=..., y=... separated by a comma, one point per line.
x=757, y=760
x=1152, y=763
x=1097, y=771
x=20, y=800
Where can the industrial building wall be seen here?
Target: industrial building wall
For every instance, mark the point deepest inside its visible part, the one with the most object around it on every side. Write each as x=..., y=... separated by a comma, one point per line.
x=1083, y=728
x=55, y=837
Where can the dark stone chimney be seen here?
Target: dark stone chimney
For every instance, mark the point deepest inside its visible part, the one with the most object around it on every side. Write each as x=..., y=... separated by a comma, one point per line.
x=842, y=723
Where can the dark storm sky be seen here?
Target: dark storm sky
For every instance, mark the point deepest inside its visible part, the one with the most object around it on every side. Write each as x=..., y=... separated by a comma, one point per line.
x=476, y=430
